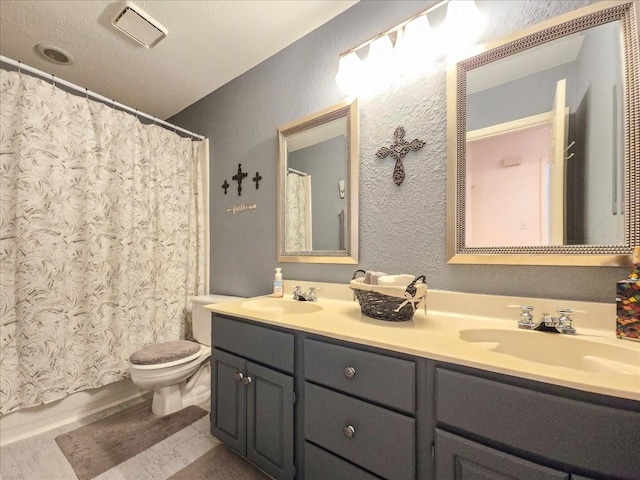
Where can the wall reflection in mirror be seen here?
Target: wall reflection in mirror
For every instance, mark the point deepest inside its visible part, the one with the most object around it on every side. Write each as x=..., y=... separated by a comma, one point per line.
x=543, y=144
x=554, y=145
x=317, y=192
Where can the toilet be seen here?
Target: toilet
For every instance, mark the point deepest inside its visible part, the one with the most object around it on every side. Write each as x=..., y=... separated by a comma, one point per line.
x=179, y=372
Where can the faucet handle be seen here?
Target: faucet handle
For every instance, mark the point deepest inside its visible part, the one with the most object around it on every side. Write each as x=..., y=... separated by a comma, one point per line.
x=564, y=321
x=312, y=296
x=526, y=319
x=570, y=311
x=297, y=293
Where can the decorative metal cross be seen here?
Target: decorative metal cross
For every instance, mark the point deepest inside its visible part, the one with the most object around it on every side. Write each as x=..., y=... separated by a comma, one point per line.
x=225, y=185
x=257, y=179
x=398, y=149
x=238, y=178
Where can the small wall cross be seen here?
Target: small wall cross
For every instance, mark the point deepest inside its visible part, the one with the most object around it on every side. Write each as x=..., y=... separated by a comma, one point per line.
x=257, y=179
x=238, y=178
x=225, y=185
x=398, y=149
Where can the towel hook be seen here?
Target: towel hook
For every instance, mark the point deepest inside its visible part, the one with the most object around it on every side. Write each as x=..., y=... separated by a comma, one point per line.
x=570, y=145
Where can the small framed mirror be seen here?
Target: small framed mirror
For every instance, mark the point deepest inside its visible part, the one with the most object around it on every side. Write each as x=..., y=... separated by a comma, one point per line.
x=544, y=144
x=318, y=174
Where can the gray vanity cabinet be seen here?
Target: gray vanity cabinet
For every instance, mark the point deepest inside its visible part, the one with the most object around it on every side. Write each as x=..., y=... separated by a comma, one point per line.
x=495, y=423
x=359, y=406
x=252, y=403
x=460, y=459
x=365, y=413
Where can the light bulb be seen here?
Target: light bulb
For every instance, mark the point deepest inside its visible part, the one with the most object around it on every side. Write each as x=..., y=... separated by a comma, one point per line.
x=379, y=66
x=463, y=24
x=349, y=73
x=417, y=47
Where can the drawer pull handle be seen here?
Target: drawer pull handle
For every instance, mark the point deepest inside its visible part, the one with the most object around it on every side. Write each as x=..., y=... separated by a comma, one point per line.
x=239, y=376
x=349, y=431
x=246, y=380
x=349, y=372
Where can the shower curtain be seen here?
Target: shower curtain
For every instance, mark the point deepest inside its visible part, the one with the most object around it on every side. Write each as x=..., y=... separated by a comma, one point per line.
x=298, y=224
x=102, y=235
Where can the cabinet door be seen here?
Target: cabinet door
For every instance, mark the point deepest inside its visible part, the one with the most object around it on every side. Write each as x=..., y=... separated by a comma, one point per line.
x=270, y=421
x=460, y=459
x=228, y=400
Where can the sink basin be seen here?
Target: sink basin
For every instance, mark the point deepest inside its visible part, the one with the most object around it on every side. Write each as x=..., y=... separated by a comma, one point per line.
x=281, y=306
x=557, y=350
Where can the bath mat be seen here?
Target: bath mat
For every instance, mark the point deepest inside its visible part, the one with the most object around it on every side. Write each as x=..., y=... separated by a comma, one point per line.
x=219, y=463
x=100, y=446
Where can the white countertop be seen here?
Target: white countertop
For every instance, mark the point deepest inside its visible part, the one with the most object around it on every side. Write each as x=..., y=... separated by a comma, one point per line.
x=437, y=335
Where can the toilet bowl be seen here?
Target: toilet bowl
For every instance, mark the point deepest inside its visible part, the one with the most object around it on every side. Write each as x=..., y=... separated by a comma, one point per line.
x=179, y=372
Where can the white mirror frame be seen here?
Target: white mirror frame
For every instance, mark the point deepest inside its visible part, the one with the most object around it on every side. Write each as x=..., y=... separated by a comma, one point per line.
x=572, y=255
x=349, y=110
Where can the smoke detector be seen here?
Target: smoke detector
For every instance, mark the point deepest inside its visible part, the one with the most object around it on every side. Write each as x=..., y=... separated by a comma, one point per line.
x=139, y=25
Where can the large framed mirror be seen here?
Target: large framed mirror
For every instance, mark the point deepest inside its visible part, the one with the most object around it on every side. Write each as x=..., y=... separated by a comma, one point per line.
x=544, y=144
x=318, y=174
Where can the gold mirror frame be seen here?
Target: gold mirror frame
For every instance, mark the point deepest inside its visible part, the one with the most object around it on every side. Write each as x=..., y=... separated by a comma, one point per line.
x=349, y=110
x=576, y=255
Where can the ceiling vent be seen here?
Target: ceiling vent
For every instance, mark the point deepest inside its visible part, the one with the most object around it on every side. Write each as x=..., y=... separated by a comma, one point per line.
x=139, y=25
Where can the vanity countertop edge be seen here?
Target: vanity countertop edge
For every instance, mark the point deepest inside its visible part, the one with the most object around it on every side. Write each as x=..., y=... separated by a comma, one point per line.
x=435, y=336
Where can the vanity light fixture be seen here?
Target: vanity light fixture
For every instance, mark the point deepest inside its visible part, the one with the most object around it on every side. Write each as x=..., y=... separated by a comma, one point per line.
x=408, y=48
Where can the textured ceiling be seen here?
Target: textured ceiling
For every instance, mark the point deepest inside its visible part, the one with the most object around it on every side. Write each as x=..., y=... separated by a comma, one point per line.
x=210, y=42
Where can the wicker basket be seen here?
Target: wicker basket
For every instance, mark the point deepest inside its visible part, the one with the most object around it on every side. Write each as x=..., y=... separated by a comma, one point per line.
x=394, y=304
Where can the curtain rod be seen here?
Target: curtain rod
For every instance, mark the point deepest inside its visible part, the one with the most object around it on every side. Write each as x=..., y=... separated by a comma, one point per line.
x=97, y=96
x=297, y=172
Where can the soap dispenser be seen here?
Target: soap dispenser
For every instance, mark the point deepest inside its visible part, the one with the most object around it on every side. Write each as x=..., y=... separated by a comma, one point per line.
x=278, y=291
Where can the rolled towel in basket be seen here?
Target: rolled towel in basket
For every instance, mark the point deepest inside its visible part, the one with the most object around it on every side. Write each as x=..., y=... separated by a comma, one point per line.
x=395, y=280
x=371, y=278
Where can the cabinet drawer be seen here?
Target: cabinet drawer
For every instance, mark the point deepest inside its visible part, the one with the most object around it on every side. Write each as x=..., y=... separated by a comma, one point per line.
x=264, y=345
x=386, y=380
x=383, y=441
x=458, y=459
x=593, y=437
x=321, y=465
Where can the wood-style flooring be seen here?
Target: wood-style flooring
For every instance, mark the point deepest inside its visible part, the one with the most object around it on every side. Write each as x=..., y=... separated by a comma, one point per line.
x=39, y=458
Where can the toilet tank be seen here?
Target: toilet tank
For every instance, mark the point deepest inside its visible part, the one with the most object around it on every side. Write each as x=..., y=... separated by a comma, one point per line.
x=201, y=317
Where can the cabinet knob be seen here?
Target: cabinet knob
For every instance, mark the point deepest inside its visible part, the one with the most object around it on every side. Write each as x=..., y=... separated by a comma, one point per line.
x=246, y=380
x=239, y=376
x=349, y=372
x=349, y=431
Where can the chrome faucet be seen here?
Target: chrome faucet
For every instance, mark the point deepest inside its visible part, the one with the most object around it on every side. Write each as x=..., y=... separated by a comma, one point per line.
x=312, y=296
x=548, y=323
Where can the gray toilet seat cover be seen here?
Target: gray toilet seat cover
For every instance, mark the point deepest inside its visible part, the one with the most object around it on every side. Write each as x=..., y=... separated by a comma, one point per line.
x=164, y=352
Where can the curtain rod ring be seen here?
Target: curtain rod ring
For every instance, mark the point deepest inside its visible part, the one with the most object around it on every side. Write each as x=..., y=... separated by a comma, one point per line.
x=53, y=79
x=86, y=92
x=19, y=66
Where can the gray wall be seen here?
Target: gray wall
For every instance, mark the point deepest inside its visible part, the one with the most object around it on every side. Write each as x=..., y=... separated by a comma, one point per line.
x=326, y=163
x=512, y=105
x=600, y=130
x=402, y=229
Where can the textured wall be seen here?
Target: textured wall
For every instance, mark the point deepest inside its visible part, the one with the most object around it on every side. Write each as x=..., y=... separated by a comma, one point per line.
x=402, y=229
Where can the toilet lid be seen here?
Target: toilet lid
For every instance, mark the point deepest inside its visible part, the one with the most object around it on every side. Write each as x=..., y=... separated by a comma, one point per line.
x=164, y=352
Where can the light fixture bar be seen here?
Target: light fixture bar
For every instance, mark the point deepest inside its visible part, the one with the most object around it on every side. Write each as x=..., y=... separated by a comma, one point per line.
x=397, y=28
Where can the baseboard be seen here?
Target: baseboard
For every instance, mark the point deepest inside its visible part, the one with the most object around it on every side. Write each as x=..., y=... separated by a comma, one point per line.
x=33, y=421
